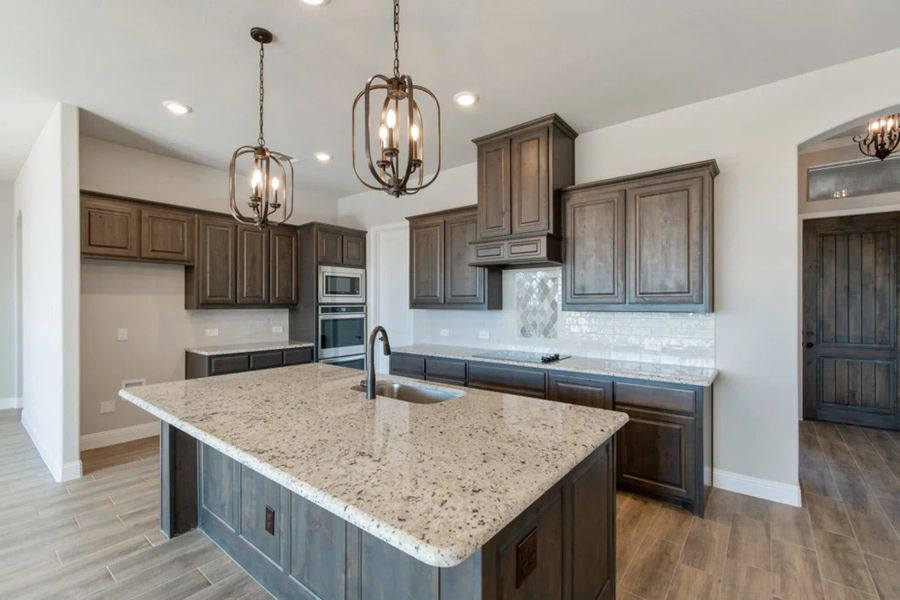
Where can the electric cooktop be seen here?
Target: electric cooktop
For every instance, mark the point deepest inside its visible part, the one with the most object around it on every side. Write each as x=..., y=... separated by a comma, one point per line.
x=519, y=356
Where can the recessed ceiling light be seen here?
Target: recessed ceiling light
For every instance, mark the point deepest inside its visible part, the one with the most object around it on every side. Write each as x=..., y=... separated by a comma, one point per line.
x=322, y=156
x=177, y=108
x=316, y=2
x=465, y=98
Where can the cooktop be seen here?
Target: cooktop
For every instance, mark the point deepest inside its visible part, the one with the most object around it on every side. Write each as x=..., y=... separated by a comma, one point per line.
x=520, y=356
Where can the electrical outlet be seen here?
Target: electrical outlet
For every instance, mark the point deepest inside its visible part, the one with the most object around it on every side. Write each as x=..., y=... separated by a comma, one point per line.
x=212, y=332
x=122, y=334
x=484, y=334
x=445, y=332
x=277, y=329
x=130, y=383
x=107, y=406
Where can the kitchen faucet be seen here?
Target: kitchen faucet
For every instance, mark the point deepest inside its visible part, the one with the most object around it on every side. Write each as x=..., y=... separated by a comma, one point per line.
x=370, y=358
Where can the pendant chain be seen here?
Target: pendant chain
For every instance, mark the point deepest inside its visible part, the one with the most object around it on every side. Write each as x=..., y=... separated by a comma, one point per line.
x=261, y=140
x=396, y=38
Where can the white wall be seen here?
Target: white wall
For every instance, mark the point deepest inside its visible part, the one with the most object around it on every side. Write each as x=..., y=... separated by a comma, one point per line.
x=148, y=299
x=46, y=197
x=754, y=135
x=8, y=342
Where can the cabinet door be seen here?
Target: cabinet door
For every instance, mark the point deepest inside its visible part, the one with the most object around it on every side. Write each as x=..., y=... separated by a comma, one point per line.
x=462, y=284
x=354, y=250
x=581, y=390
x=408, y=365
x=494, y=218
x=530, y=181
x=511, y=380
x=252, y=265
x=330, y=247
x=283, y=272
x=217, y=260
x=665, y=251
x=426, y=254
x=594, y=269
x=167, y=235
x=110, y=228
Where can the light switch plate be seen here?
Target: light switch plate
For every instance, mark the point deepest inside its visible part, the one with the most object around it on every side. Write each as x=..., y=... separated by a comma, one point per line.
x=122, y=334
x=107, y=406
x=445, y=332
x=277, y=329
x=484, y=334
x=212, y=332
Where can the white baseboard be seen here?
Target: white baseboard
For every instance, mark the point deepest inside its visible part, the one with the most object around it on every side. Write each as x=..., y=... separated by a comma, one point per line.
x=119, y=436
x=59, y=471
x=13, y=402
x=760, y=488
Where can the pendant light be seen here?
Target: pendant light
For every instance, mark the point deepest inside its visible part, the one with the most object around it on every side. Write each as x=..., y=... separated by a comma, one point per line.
x=398, y=166
x=271, y=185
x=881, y=138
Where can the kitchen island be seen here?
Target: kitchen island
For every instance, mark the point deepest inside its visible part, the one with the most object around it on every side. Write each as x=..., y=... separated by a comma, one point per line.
x=320, y=493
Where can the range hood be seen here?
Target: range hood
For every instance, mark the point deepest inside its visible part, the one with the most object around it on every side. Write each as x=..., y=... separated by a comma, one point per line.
x=532, y=251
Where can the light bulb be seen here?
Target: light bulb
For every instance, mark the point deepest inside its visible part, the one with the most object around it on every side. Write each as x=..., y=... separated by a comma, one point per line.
x=414, y=132
x=382, y=133
x=256, y=179
x=275, y=184
x=391, y=118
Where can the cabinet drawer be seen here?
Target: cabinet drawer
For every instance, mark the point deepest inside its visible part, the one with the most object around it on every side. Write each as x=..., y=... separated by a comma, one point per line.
x=233, y=363
x=408, y=365
x=298, y=356
x=656, y=397
x=266, y=360
x=582, y=390
x=446, y=370
x=512, y=380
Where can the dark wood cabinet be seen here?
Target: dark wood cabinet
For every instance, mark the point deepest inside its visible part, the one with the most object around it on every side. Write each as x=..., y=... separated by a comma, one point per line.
x=109, y=229
x=530, y=181
x=494, y=195
x=440, y=275
x=216, y=264
x=354, y=250
x=585, y=390
x=167, y=235
x=203, y=365
x=642, y=242
x=408, y=365
x=340, y=247
x=252, y=265
x=522, y=381
x=331, y=247
x=283, y=265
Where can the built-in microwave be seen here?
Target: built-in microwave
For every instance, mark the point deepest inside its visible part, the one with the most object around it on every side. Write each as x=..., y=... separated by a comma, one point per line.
x=342, y=331
x=341, y=285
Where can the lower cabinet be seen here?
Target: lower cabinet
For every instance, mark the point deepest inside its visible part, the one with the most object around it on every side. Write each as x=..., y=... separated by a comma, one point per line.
x=511, y=380
x=203, y=365
x=580, y=390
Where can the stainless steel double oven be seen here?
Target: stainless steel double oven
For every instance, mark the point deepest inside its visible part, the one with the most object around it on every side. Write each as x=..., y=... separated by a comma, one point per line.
x=342, y=316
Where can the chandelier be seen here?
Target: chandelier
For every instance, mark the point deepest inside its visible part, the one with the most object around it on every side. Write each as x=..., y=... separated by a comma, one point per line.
x=881, y=137
x=272, y=174
x=398, y=166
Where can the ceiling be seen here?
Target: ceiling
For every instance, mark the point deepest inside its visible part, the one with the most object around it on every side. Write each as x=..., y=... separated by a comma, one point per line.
x=595, y=62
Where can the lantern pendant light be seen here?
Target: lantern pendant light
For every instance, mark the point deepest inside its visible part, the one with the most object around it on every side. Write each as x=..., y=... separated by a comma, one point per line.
x=881, y=138
x=271, y=184
x=398, y=165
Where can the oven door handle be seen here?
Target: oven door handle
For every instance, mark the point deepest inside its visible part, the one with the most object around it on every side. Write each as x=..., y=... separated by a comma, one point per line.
x=339, y=317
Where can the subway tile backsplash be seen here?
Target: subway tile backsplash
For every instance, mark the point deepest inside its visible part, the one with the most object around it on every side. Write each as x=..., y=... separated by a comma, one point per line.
x=532, y=319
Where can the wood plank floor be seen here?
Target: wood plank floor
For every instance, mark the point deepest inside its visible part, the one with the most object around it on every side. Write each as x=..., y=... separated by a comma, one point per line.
x=98, y=537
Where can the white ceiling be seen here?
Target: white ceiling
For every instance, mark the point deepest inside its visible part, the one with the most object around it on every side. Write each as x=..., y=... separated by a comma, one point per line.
x=595, y=62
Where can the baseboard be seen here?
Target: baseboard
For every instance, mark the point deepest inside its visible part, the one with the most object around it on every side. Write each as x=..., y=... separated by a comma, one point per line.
x=119, y=436
x=13, y=402
x=59, y=471
x=766, y=489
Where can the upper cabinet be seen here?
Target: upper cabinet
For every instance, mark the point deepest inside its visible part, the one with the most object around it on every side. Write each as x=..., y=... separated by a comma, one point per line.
x=167, y=235
x=641, y=243
x=212, y=282
x=283, y=264
x=440, y=253
x=339, y=246
x=520, y=171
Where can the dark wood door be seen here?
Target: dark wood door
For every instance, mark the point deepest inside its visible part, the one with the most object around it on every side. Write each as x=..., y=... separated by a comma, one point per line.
x=530, y=181
x=462, y=284
x=354, y=250
x=850, y=320
x=217, y=260
x=582, y=390
x=330, y=247
x=167, y=235
x=252, y=265
x=110, y=228
x=426, y=275
x=594, y=270
x=494, y=211
x=283, y=273
x=665, y=232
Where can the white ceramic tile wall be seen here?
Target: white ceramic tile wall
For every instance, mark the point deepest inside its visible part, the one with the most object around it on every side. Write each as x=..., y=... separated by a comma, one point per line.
x=671, y=338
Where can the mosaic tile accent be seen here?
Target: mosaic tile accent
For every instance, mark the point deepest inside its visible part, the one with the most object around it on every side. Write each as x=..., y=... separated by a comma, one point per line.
x=537, y=304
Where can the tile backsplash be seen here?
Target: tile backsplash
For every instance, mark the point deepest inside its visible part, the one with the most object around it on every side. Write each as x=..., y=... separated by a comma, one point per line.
x=532, y=319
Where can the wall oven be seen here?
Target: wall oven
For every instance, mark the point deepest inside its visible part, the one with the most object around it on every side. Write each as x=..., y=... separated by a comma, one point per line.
x=342, y=332
x=357, y=361
x=341, y=285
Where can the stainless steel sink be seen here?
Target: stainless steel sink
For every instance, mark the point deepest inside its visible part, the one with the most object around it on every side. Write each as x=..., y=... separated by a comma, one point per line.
x=417, y=394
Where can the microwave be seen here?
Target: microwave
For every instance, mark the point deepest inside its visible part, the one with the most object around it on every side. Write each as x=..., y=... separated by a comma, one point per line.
x=342, y=285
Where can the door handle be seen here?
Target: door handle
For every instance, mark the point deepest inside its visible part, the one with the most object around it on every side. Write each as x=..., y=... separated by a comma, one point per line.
x=809, y=344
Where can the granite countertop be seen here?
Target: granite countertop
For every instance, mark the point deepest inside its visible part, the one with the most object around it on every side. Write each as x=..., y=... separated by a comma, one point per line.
x=436, y=481
x=701, y=376
x=247, y=347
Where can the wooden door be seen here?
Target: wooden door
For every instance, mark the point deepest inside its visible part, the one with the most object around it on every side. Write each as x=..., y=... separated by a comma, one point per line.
x=330, y=247
x=666, y=252
x=252, y=265
x=530, y=181
x=462, y=284
x=167, y=235
x=494, y=211
x=426, y=273
x=283, y=272
x=354, y=250
x=594, y=270
x=850, y=320
x=217, y=260
x=109, y=228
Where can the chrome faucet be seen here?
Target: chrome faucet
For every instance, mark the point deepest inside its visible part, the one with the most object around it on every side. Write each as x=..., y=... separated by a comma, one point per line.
x=370, y=358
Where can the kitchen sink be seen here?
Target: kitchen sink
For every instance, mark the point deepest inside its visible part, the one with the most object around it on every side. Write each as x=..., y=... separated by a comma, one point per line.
x=417, y=394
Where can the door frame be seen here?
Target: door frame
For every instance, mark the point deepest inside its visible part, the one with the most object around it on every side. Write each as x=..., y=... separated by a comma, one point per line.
x=374, y=239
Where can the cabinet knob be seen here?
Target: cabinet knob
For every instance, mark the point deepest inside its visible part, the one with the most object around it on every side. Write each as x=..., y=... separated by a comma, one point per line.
x=809, y=344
